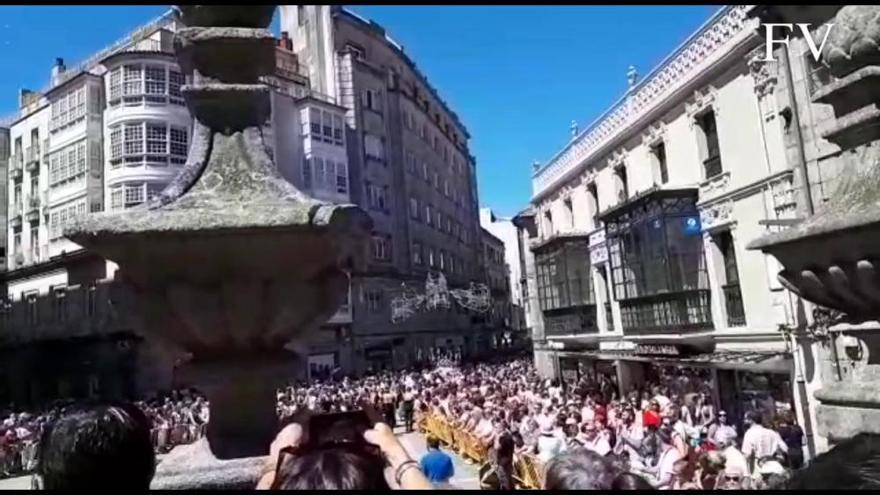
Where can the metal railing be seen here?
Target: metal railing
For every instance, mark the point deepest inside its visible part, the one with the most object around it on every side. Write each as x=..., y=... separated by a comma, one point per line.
x=132, y=38
x=33, y=153
x=736, y=316
x=32, y=202
x=149, y=45
x=16, y=162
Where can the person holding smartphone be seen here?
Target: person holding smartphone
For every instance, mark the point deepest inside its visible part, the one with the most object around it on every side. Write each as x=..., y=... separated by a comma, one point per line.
x=296, y=463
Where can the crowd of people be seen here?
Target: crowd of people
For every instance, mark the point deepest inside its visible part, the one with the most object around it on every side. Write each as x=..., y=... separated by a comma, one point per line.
x=669, y=436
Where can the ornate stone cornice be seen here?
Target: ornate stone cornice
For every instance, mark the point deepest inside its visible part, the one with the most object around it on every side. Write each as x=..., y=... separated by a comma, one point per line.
x=716, y=215
x=654, y=133
x=763, y=73
x=618, y=159
x=701, y=101
x=722, y=33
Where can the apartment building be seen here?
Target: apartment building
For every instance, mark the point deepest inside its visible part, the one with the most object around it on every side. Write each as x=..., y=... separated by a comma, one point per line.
x=505, y=230
x=112, y=131
x=410, y=167
x=497, y=279
x=639, y=227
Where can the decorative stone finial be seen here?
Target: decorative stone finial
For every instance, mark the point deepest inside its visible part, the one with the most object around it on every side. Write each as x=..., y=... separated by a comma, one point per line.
x=231, y=262
x=631, y=76
x=574, y=128
x=852, y=40
x=536, y=165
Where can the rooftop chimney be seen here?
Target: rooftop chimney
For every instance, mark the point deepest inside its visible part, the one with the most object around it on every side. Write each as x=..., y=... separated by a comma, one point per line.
x=24, y=97
x=57, y=70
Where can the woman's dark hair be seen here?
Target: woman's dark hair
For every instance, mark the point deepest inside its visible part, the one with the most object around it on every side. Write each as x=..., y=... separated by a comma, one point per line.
x=337, y=468
x=517, y=439
x=104, y=445
x=665, y=436
x=630, y=481
x=433, y=442
x=579, y=469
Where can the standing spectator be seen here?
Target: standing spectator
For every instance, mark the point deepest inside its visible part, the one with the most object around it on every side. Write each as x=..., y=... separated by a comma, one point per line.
x=793, y=436
x=408, y=409
x=663, y=474
x=437, y=465
x=760, y=442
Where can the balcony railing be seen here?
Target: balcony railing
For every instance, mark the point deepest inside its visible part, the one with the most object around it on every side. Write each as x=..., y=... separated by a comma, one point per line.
x=16, y=163
x=736, y=316
x=32, y=208
x=712, y=166
x=150, y=45
x=32, y=154
x=574, y=320
x=673, y=312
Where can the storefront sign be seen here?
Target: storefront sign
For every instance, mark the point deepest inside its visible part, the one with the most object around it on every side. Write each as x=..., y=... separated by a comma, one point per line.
x=377, y=353
x=598, y=248
x=657, y=350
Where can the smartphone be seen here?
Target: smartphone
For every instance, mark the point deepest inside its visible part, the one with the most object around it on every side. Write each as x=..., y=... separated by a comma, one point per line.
x=340, y=428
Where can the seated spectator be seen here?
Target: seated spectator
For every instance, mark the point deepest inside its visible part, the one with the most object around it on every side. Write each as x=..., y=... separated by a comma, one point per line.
x=549, y=445
x=103, y=446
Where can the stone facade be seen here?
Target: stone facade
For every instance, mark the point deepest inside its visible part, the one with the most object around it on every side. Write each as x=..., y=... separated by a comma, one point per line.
x=321, y=99
x=699, y=150
x=506, y=231
x=825, y=256
x=410, y=168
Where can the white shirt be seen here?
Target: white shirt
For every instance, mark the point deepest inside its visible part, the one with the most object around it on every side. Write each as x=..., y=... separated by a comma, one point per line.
x=735, y=462
x=545, y=421
x=599, y=444
x=722, y=433
x=549, y=446
x=662, y=400
x=666, y=462
x=484, y=428
x=762, y=442
x=587, y=414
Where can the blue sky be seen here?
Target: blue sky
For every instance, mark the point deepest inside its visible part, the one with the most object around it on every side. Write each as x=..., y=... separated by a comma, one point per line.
x=516, y=75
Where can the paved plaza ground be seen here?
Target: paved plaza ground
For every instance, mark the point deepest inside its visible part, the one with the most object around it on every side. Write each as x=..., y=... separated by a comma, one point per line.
x=466, y=475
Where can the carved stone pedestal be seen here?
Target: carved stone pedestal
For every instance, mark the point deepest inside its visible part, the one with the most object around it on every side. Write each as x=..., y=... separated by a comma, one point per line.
x=195, y=467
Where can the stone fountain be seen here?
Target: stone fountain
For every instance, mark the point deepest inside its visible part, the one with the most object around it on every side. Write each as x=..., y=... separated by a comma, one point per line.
x=832, y=258
x=230, y=262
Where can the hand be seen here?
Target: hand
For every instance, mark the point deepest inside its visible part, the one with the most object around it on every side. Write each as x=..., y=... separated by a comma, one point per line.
x=382, y=437
x=290, y=436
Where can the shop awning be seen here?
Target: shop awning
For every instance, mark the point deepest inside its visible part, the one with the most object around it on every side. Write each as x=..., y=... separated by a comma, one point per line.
x=772, y=362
